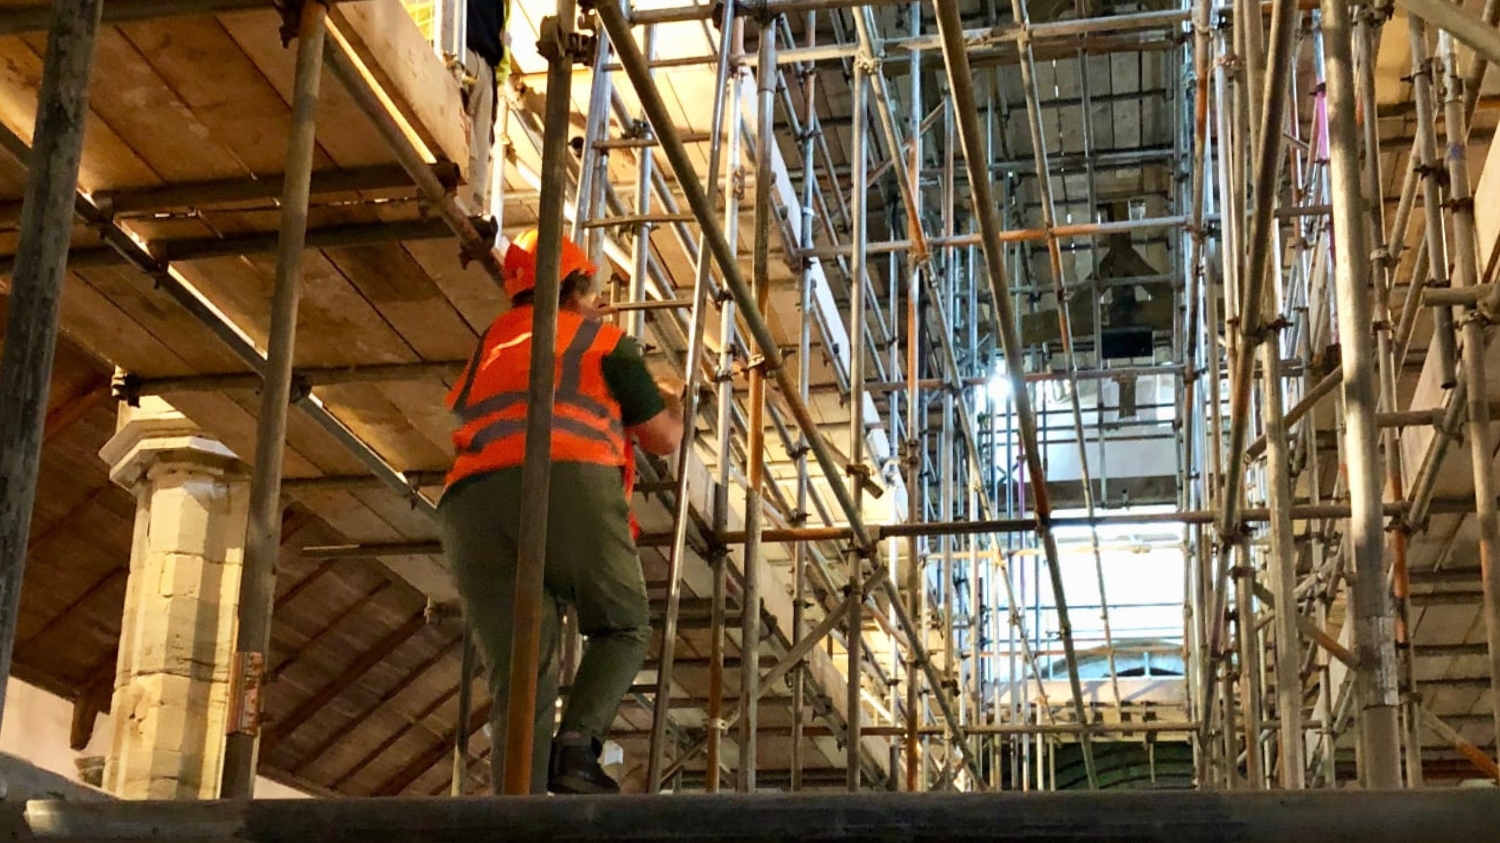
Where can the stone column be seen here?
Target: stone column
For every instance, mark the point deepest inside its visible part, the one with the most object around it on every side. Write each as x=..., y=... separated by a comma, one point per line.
x=171, y=684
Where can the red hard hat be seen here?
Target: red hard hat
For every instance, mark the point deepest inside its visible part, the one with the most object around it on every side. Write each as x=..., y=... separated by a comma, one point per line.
x=520, y=262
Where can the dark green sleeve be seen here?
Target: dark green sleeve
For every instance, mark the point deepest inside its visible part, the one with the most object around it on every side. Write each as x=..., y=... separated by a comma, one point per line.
x=631, y=383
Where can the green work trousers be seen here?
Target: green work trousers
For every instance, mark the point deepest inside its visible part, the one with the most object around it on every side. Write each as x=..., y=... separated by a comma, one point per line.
x=591, y=565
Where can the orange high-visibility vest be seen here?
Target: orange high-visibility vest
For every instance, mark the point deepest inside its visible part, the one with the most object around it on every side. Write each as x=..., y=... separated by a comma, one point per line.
x=490, y=397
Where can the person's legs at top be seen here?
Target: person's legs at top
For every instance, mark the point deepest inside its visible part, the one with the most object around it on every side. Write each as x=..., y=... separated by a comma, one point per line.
x=479, y=105
x=478, y=524
x=600, y=575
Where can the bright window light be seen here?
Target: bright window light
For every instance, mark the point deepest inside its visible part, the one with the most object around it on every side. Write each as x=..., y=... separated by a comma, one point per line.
x=998, y=389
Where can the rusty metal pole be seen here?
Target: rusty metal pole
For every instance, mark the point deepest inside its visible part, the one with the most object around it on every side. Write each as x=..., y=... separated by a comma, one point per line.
x=36, y=291
x=536, y=472
x=263, y=535
x=755, y=449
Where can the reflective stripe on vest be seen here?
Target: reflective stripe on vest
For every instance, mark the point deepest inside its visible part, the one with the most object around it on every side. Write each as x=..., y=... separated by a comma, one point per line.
x=490, y=399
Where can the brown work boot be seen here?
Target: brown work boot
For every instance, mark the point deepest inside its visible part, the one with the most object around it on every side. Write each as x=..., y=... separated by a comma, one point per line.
x=575, y=767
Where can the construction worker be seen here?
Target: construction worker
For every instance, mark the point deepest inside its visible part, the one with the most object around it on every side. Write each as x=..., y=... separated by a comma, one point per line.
x=605, y=396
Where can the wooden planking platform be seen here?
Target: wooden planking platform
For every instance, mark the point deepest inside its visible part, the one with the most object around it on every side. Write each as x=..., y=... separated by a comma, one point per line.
x=362, y=303
x=190, y=100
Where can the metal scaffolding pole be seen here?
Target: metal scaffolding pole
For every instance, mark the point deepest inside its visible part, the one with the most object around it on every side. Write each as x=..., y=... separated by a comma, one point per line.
x=36, y=291
x=1381, y=265
x=1475, y=32
x=1481, y=442
x=1251, y=298
x=1426, y=150
x=263, y=535
x=854, y=638
x=697, y=321
x=1373, y=615
x=961, y=86
x=724, y=432
x=1249, y=677
x=916, y=572
x=1068, y=231
x=750, y=604
x=1283, y=567
x=1064, y=321
x=804, y=378
x=642, y=220
x=536, y=470
x=633, y=62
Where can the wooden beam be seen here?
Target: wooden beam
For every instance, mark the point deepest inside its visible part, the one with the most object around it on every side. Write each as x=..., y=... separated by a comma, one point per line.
x=293, y=519
x=1467, y=683
x=70, y=411
x=25, y=19
x=305, y=583
x=477, y=772
x=1476, y=756
x=239, y=191
x=424, y=762
x=67, y=612
x=332, y=624
x=97, y=694
x=252, y=189
x=256, y=242
x=398, y=63
x=391, y=739
x=69, y=519
x=313, y=704
x=1327, y=642
x=359, y=719
x=94, y=701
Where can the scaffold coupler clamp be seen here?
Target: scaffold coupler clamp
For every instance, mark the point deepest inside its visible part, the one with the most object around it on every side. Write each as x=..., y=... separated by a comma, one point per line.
x=756, y=363
x=483, y=249
x=1488, y=309
x=1234, y=533
x=737, y=182
x=910, y=453
x=554, y=44
x=126, y=387
x=301, y=388
x=291, y=19
x=437, y=611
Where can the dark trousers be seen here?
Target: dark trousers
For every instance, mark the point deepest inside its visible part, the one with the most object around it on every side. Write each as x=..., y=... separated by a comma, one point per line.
x=592, y=566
